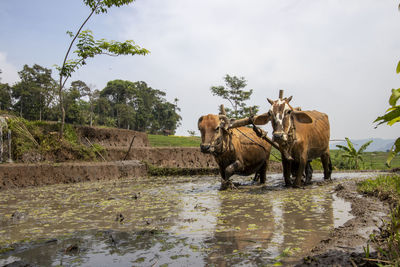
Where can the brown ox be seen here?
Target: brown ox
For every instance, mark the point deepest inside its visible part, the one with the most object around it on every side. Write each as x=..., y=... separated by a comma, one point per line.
x=236, y=151
x=302, y=136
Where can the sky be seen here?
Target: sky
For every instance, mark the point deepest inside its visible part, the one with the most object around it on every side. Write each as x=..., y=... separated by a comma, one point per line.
x=335, y=56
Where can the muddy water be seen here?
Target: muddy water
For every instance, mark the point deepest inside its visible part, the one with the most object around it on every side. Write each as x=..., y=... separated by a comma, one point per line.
x=175, y=221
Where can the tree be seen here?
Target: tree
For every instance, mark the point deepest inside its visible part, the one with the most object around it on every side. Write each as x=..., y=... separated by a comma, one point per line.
x=5, y=95
x=353, y=155
x=236, y=95
x=35, y=93
x=137, y=106
x=88, y=47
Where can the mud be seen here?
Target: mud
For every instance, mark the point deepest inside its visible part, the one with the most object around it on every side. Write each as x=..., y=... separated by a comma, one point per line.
x=345, y=245
x=181, y=221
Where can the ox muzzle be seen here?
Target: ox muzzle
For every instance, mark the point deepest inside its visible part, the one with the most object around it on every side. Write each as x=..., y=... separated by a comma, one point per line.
x=205, y=148
x=279, y=136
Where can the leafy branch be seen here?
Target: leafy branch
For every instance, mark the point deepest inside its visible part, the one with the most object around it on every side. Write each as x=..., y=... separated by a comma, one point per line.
x=88, y=47
x=392, y=116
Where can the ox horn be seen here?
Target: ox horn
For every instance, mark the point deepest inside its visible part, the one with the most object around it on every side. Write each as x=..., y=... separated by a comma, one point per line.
x=281, y=94
x=222, y=110
x=225, y=121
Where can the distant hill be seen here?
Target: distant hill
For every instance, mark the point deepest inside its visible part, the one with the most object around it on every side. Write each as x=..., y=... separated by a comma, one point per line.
x=378, y=144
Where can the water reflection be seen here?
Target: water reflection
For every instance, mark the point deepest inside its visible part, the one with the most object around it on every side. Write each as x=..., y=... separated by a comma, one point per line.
x=176, y=221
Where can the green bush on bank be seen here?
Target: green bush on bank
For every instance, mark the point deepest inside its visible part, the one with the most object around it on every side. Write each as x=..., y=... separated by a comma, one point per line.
x=386, y=187
x=41, y=138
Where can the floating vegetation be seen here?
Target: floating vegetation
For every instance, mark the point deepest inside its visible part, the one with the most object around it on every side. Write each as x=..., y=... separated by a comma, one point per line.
x=164, y=220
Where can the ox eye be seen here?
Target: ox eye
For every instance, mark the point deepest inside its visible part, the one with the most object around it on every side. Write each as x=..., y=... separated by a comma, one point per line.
x=217, y=128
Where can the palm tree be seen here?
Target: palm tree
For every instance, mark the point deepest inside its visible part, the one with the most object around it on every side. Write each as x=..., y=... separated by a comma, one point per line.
x=351, y=153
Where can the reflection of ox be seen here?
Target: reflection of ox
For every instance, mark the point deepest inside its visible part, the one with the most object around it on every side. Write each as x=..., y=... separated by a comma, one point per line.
x=236, y=151
x=301, y=136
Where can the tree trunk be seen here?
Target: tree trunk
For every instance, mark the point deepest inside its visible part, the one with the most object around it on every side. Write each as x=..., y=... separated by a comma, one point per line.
x=61, y=133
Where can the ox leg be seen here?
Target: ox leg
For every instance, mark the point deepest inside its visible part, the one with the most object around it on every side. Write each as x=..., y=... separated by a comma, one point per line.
x=256, y=177
x=229, y=171
x=300, y=172
x=327, y=164
x=293, y=168
x=263, y=173
x=309, y=172
x=286, y=171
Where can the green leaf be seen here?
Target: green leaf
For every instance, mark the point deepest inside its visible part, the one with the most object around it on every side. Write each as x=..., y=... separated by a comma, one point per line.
x=364, y=146
x=398, y=64
x=393, y=151
x=391, y=117
x=350, y=144
x=394, y=97
x=343, y=148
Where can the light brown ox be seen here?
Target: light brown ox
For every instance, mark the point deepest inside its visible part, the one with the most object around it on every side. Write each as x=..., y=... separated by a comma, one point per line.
x=236, y=151
x=301, y=136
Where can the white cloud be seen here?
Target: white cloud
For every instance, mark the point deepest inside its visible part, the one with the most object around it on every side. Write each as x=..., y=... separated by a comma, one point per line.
x=335, y=56
x=9, y=72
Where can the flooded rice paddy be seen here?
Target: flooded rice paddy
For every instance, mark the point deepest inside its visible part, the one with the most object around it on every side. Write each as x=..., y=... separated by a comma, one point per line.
x=171, y=221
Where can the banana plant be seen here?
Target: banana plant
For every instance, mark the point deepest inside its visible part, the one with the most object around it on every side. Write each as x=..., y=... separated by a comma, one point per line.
x=353, y=155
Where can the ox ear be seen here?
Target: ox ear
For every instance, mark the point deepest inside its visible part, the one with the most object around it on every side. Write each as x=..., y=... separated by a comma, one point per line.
x=270, y=101
x=200, y=120
x=302, y=117
x=262, y=119
x=289, y=99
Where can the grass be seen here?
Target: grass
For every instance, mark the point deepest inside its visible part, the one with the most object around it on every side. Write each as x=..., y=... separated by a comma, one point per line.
x=386, y=187
x=371, y=160
x=41, y=138
x=383, y=186
x=174, y=141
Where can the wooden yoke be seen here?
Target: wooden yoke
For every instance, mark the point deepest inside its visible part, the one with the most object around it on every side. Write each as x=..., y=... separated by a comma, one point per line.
x=255, y=120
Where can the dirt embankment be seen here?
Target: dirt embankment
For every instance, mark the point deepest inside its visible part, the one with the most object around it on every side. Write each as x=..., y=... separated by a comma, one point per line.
x=112, y=137
x=22, y=175
x=116, y=161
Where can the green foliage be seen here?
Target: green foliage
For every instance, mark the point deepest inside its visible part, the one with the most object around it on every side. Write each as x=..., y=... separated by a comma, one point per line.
x=383, y=185
x=137, y=106
x=392, y=116
x=88, y=47
x=387, y=187
x=5, y=97
x=124, y=104
x=34, y=95
x=174, y=141
x=234, y=92
x=371, y=161
x=191, y=132
x=41, y=138
x=398, y=67
x=351, y=154
x=104, y=5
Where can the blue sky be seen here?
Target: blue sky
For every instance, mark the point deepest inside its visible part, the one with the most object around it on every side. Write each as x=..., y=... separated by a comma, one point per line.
x=335, y=56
